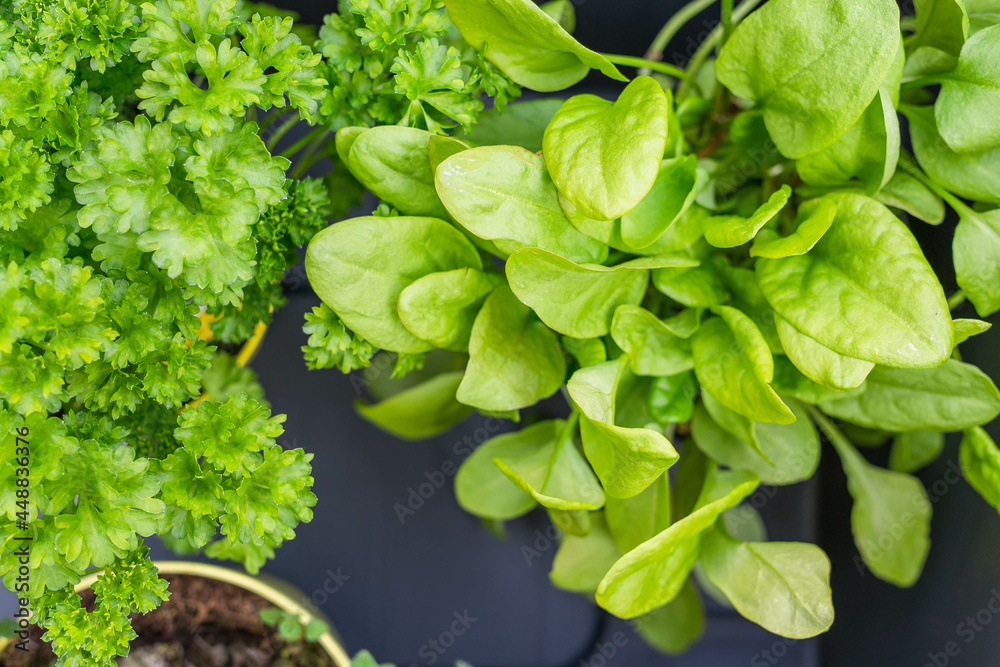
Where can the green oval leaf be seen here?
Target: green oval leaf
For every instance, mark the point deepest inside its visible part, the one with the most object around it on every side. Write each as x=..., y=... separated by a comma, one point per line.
x=526, y=43
x=677, y=184
x=976, y=252
x=505, y=194
x=604, y=156
x=914, y=450
x=788, y=55
x=359, y=268
x=951, y=397
x=980, y=460
x=441, y=308
x=910, y=195
x=423, y=411
x=582, y=561
x=522, y=124
x=675, y=626
x=844, y=293
x=575, y=300
x=732, y=231
x=966, y=108
x=393, y=162
x=654, y=573
x=821, y=364
x=782, y=586
x=514, y=361
x=654, y=347
x=634, y=520
x=815, y=218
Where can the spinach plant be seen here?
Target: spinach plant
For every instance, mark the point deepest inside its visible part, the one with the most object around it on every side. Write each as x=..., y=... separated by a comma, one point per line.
x=721, y=252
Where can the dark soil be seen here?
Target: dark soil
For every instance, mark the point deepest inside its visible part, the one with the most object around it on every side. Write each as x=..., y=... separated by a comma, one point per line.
x=205, y=623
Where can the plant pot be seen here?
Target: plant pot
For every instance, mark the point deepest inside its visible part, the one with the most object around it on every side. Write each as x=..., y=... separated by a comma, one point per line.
x=275, y=591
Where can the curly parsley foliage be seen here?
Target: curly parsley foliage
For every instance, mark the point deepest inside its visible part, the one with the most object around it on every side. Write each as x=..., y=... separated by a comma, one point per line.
x=136, y=195
x=402, y=62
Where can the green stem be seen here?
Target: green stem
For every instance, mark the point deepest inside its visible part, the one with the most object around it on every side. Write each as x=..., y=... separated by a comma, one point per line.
x=307, y=160
x=269, y=119
x=956, y=300
x=727, y=20
x=570, y=427
x=832, y=433
x=671, y=27
x=924, y=81
x=303, y=142
x=663, y=68
x=706, y=48
x=280, y=132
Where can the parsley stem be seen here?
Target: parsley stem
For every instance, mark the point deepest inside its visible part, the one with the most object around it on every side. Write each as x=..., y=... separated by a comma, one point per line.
x=706, y=48
x=281, y=132
x=673, y=26
x=303, y=142
x=662, y=68
x=309, y=158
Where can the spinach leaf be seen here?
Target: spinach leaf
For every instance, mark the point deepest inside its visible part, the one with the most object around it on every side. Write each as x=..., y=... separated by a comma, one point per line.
x=821, y=364
x=603, y=156
x=555, y=474
x=505, y=194
x=677, y=183
x=941, y=25
x=521, y=124
x=976, y=250
x=423, y=411
x=980, y=461
x=672, y=628
x=913, y=450
x=577, y=300
x=671, y=398
x=965, y=329
x=626, y=460
x=815, y=218
x=844, y=292
x=788, y=55
x=696, y=287
x=393, y=162
x=514, y=361
x=482, y=489
x=951, y=397
x=890, y=518
x=634, y=520
x=526, y=43
x=582, y=561
x=441, y=148
x=733, y=363
x=966, y=108
x=971, y=175
x=731, y=231
x=359, y=268
x=441, y=308
x=654, y=573
x=908, y=194
x=654, y=347
x=782, y=586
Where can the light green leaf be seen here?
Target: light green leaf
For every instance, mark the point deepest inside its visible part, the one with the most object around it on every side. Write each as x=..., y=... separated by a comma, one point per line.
x=555, y=474
x=677, y=183
x=941, y=24
x=393, y=162
x=782, y=586
x=526, y=43
x=966, y=107
x=908, y=194
x=582, y=561
x=733, y=362
x=586, y=351
x=654, y=347
x=788, y=55
x=777, y=453
x=423, y=411
x=514, y=361
x=441, y=148
x=970, y=175
x=522, y=124
x=571, y=522
x=441, y=308
x=671, y=398
x=653, y=573
x=815, y=218
x=505, y=194
x=976, y=251
x=913, y=450
x=868, y=151
x=359, y=268
x=562, y=11
x=844, y=293
x=575, y=300
x=634, y=520
x=626, y=460
x=675, y=626
x=697, y=287
x=732, y=231
x=951, y=397
x=789, y=381
x=890, y=518
x=344, y=140
x=604, y=156
x=966, y=329
x=483, y=490
x=821, y=364
x=980, y=460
